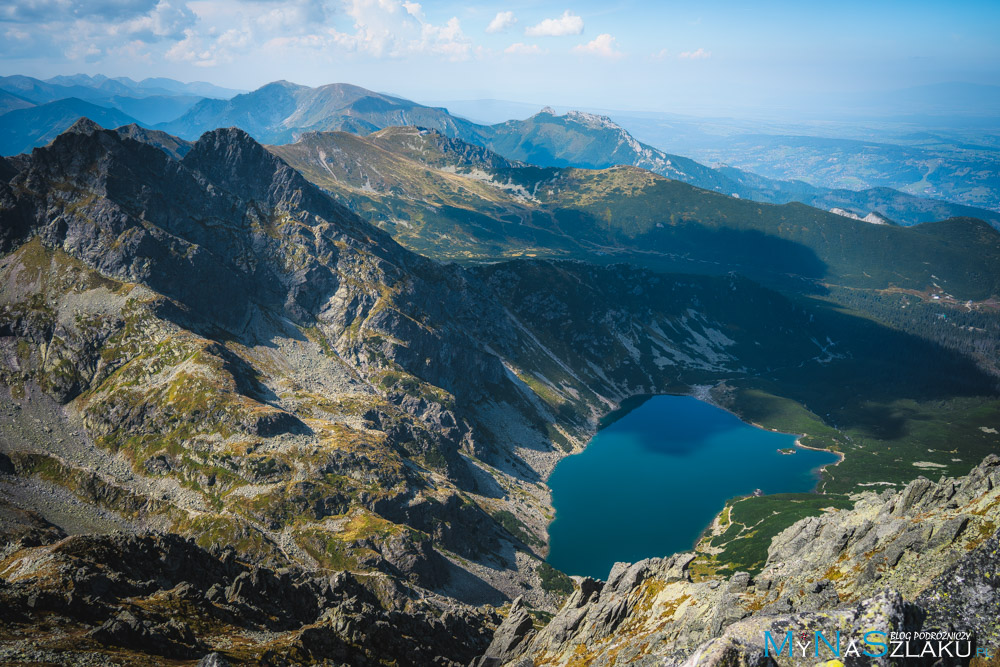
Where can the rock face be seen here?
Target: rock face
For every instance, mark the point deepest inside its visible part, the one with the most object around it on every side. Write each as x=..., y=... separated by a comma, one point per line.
x=921, y=559
x=217, y=321
x=510, y=638
x=163, y=595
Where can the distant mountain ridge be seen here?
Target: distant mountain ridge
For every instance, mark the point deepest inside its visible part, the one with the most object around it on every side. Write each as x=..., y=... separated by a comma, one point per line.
x=281, y=112
x=455, y=201
x=591, y=141
x=23, y=129
x=149, y=85
x=149, y=101
x=100, y=87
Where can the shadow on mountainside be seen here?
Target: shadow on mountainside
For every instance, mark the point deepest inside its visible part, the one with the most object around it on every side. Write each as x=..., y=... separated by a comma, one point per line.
x=872, y=367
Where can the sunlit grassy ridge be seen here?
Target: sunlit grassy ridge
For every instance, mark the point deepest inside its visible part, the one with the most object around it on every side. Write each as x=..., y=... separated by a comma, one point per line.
x=460, y=202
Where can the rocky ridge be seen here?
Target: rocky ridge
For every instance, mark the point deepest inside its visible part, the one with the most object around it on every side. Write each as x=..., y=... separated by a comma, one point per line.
x=163, y=595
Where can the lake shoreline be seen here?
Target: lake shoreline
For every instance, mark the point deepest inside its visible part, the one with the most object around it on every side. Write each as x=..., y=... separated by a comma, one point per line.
x=663, y=453
x=704, y=393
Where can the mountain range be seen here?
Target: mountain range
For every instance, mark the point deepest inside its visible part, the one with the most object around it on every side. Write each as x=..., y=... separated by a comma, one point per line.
x=897, y=147
x=335, y=401
x=453, y=200
x=281, y=112
x=100, y=87
x=149, y=101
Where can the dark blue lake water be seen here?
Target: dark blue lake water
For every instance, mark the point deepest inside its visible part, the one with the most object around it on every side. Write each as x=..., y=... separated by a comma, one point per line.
x=651, y=482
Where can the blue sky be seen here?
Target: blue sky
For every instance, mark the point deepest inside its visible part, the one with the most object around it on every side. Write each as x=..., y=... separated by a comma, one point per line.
x=662, y=56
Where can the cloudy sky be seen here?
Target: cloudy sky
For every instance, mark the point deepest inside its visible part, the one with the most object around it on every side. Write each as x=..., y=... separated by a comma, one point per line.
x=626, y=55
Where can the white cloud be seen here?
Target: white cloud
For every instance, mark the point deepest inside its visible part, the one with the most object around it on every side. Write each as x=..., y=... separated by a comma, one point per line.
x=522, y=49
x=603, y=45
x=414, y=9
x=212, y=32
x=501, y=22
x=38, y=11
x=567, y=24
x=166, y=21
x=288, y=17
x=92, y=30
x=395, y=29
x=221, y=48
x=697, y=54
x=662, y=54
x=83, y=51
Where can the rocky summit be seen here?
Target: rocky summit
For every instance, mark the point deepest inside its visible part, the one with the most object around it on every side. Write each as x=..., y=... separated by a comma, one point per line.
x=240, y=424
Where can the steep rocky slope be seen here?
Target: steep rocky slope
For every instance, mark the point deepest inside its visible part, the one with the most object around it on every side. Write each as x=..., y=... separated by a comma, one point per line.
x=921, y=559
x=85, y=599
x=221, y=324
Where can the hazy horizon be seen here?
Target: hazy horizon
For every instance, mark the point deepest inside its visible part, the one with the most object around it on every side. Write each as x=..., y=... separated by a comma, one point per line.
x=726, y=57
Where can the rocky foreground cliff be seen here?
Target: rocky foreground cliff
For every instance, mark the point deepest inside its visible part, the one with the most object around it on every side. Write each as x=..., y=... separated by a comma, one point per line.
x=924, y=559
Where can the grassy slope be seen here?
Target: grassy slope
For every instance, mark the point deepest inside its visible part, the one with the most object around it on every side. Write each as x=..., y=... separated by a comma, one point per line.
x=462, y=212
x=394, y=178
x=747, y=525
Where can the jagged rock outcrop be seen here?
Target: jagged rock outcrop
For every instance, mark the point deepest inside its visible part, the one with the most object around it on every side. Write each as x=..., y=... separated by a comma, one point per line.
x=162, y=595
x=510, y=638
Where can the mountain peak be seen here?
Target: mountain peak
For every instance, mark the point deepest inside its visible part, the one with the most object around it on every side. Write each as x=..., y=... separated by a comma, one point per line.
x=230, y=149
x=83, y=125
x=172, y=146
x=227, y=135
x=592, y=120
x=281, y=83
x=231, y=158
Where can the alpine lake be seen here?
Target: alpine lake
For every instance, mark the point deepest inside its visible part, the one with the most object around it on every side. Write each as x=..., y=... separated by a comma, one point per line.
x=649, y=483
